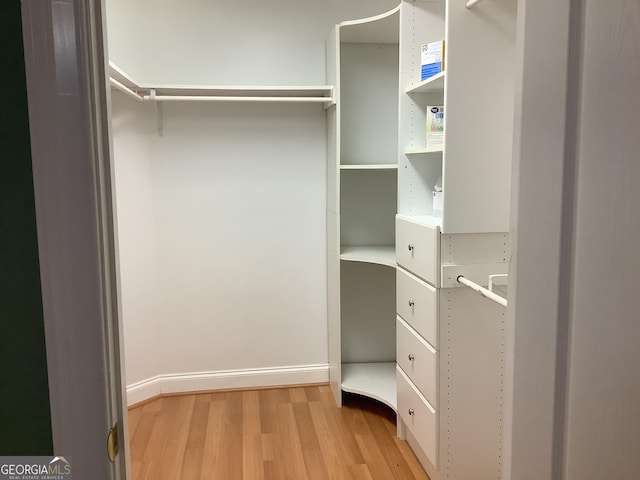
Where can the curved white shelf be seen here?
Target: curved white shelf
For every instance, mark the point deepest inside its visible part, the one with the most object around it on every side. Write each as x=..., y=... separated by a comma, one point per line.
x=425, y=220
x=216, y=93
x=383, y=28
x=381, y=255
x=370, y=166
x=433, y=84
x=418, y=151
x=374, y=380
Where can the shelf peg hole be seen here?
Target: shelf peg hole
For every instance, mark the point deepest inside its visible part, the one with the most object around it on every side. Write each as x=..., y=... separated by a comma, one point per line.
x=411, y=303
x=411, y=411
x=410, y=247
x=411, y=357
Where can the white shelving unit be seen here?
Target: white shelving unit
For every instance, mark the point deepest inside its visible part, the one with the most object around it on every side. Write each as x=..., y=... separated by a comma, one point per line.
x=447, y=384
x=362, y=61
x=450, y=348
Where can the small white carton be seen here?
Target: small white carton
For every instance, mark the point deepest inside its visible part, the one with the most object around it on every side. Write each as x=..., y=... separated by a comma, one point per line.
x=431, y=59
x=435, y=127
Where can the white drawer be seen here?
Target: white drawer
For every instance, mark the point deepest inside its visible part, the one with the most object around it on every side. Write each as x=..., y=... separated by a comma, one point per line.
x=418, y=359
x=419, y=417
x=418, y=249
x=417, y=304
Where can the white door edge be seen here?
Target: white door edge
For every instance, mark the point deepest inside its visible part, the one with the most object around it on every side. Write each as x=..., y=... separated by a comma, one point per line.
x=69, y=123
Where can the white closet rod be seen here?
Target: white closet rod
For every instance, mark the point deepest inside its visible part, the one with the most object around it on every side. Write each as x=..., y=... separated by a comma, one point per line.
x=223, y=98
x=482, y=291
x=125, y=89
x=471, y=3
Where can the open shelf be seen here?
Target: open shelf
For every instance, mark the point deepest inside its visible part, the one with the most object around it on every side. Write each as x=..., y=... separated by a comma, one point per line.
x=374, y=380
x=419, y=151
x=381, y=255
x=155, y=92
x=425, y=220
x=383, y=28
x=433, y=84
x=370, y=166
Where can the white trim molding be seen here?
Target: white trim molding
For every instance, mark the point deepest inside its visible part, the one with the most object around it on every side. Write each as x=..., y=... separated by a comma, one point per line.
x=226, y=379
x=69, y=127
x=542, y=186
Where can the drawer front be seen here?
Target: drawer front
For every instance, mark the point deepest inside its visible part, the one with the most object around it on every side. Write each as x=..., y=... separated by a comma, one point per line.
x=418, y=360
x=419, y=417
x=417, y=304
x=417, y=249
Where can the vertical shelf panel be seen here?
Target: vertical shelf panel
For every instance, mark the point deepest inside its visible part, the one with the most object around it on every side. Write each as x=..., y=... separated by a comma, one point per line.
x=333, y=219
x=479, y=117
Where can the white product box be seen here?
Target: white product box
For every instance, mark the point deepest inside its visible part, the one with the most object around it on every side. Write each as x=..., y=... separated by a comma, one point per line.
x=435, y=127
x=431, y=59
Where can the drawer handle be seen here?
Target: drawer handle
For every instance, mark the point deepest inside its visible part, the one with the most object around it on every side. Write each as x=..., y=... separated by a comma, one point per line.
x=411, y=357
x=411, y=303
x=410, y=247
x=411, y=411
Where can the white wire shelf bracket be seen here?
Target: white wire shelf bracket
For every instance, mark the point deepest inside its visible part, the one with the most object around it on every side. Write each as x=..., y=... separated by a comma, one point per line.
x=482, y=291
x=492, y=280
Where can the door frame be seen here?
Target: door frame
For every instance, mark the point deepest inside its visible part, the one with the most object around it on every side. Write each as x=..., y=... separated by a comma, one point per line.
x=542, y=207
x=68, y=101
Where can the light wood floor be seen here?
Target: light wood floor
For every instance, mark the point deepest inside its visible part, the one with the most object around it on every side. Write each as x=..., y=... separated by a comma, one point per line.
x=278, y=434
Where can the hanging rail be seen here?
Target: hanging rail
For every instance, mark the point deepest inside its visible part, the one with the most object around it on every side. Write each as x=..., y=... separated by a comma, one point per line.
x=471, y=3
x=224, y=98
x=482, y=291
x=316, y=94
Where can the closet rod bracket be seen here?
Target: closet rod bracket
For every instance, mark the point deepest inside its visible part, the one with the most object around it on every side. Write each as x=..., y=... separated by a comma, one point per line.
x=159, y=116
x=488, y=294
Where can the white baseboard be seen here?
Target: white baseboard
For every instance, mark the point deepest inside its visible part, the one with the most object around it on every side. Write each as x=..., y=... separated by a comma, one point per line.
x=225, y=379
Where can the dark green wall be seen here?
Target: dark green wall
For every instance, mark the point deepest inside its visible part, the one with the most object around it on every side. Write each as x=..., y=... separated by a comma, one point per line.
x=25, y=420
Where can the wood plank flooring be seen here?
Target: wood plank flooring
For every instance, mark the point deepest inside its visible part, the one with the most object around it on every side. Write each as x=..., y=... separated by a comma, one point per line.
x=277, y=434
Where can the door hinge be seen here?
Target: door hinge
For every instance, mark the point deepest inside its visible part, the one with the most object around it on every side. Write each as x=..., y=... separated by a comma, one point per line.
x=112, y=443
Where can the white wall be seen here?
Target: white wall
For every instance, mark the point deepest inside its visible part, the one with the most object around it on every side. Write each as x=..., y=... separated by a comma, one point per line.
x=240, y=209
x=222, y=243
x=222, y=219
x=133, y=127
x=253, y=42
x=124, y=34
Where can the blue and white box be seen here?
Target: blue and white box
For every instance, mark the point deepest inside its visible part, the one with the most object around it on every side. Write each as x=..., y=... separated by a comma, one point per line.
x=431, y=59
